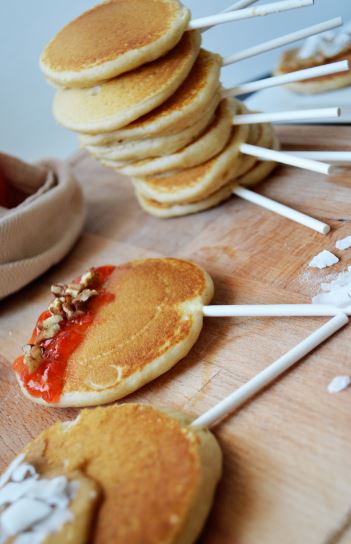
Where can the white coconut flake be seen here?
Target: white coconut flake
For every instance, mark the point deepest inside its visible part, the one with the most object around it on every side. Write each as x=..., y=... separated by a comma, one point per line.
x=6, y=476
x=324, y=259
x=32, y=508
x=327, y=44
x=337, y=292
x=339, y=383
x=343, y=244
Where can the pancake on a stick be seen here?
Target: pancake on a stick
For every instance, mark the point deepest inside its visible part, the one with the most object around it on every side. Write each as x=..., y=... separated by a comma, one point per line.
x=325, y=48
x=113, y=330
x=207, y=145
x=249, y=171
x=128, y=150
x=199, y=181
x=187, y=105
x=112, y=38
x=156, y=474
x=121, y=100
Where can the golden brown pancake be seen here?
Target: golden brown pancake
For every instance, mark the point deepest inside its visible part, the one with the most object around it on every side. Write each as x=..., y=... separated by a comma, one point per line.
x=157, y=474
x=121, y=100
x=198, y=182
x=258, y=135
x=151, y=320
x=166, y=211
x=189, y=103
x=151, y=147
x=289, y=62
x=204, y=147
x=112, y=38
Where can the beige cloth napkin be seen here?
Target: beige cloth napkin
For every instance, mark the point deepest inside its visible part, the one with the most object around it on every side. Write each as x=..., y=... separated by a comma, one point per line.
x=42, y=229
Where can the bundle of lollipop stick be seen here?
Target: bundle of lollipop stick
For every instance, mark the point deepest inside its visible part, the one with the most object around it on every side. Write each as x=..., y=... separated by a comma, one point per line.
x=147, y=102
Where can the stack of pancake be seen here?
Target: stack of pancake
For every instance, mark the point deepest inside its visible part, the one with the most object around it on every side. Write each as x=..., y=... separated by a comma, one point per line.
x=147, y=102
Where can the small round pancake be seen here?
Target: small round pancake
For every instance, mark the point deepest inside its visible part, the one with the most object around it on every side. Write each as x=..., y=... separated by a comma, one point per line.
x=165, y=211
x=152, y=147
x=207, y=145
x=112, y=38
x=256, y=171
x=290, y=62
x=153, y=320
x=156, y=473
x=180, y=111
x=192, y=184
x=121, y=100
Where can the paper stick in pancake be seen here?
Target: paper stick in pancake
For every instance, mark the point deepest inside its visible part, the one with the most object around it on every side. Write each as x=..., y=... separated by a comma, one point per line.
x=238, y=15
x=268, y=375
x=154, y=475
x=113, y=330
x=273, y=310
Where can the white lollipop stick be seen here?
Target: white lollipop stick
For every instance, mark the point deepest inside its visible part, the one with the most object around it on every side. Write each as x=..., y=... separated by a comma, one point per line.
x=283, y=40
x=298, y=75
x=342, y=156
x=281, y=209
x=268, y=9
x=273, y=310
x=295, y=115
x=269, y=374
x=237, y=5
x=286, y=158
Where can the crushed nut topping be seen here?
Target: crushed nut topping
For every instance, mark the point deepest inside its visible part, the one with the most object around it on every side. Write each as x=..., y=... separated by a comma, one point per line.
x=70, y=299
x=69, y=302
x=32, y=357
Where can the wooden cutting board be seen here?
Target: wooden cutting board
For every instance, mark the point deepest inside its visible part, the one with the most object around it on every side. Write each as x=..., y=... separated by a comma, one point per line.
x=287, y=453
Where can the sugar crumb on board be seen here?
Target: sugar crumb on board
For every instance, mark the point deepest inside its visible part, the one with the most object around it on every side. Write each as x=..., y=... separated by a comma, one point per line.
x=338, y=384
x=324, y=259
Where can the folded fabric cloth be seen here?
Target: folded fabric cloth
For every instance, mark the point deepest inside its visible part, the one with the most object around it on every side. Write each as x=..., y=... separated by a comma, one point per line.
x=41, y=229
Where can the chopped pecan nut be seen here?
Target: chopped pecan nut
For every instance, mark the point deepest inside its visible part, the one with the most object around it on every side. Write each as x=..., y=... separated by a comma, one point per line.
x=68, y=309
x=49, y=327
x=88, y=278
x=33, y=357
x=85, y=295
x=73, y=289
x=55, y=307
x=58, y=289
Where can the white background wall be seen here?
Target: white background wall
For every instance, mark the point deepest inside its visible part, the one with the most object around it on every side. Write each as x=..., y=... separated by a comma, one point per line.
x=27, y=128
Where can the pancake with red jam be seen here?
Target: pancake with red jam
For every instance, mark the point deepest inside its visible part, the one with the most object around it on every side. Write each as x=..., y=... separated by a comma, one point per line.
x=113, y=330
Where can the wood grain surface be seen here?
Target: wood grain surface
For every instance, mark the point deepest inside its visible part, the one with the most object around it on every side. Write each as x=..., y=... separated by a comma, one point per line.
x=287, y=453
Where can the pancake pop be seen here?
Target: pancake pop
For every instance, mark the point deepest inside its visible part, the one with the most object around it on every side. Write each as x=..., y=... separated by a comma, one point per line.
x=129, y=455
x=156, y=477
x=113, y=330
x=328, y=47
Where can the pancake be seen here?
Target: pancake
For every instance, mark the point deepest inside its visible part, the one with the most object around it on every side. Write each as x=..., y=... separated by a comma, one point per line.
x=165, y=211
x=192, y=184
x=151, y=147
x=249, y=171
x=121, y=100
x=157, y=474
x=142, y=319
x=206, y=146
x=112, y=38
x=290, y=62
x=186, y=106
